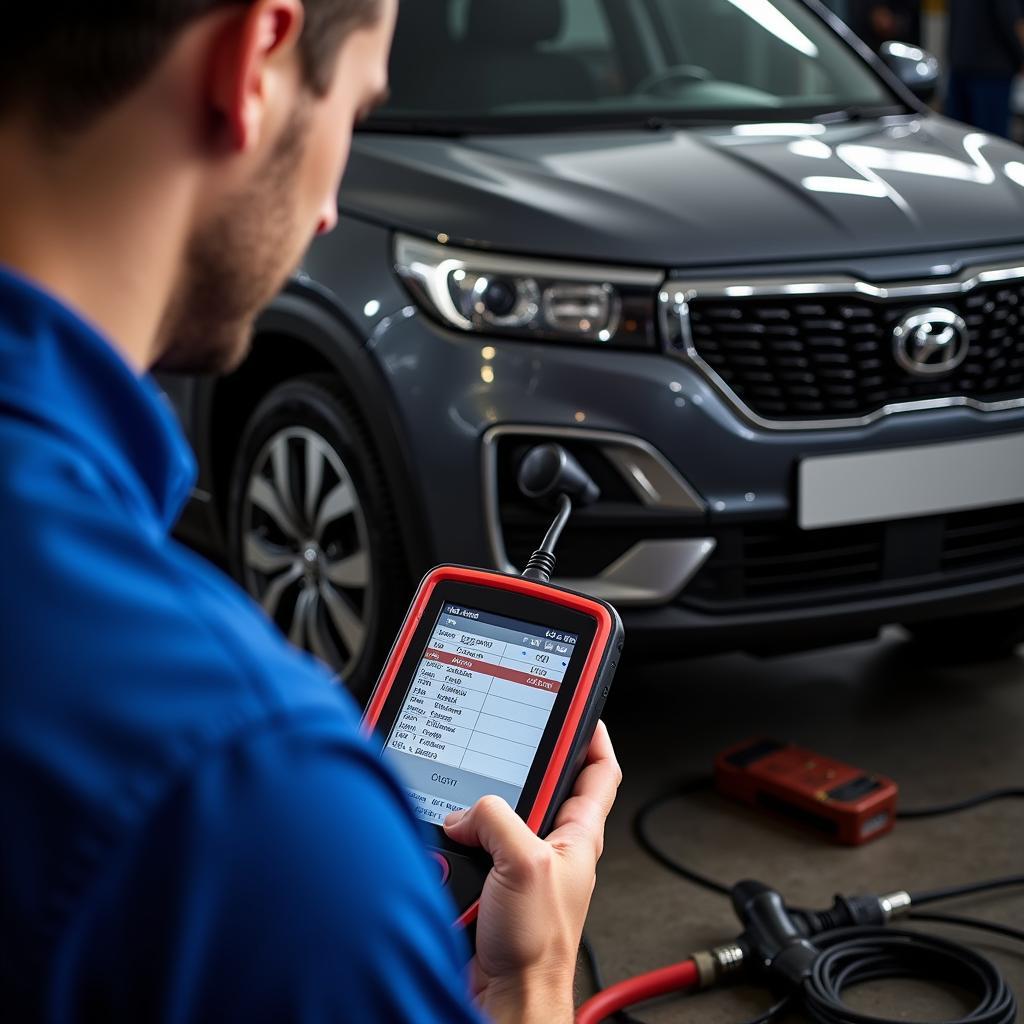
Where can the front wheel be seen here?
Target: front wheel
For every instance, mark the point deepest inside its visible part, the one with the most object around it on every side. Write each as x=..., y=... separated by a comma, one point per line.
x=312, y=530
x=962, y=639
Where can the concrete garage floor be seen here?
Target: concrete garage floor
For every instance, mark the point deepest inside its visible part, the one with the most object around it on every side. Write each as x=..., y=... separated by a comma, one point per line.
x=941, y=733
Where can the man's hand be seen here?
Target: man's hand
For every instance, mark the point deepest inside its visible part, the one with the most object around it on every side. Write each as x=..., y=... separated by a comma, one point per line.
x=536, y=896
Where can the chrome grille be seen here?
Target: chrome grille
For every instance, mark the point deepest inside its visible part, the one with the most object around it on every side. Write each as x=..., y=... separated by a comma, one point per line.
x=825, y=353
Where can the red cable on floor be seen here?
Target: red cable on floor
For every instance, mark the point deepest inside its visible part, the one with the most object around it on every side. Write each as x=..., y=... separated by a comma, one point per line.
x=679, y=977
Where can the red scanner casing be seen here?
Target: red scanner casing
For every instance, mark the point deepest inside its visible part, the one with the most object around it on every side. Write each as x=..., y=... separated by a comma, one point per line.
x=579, y=721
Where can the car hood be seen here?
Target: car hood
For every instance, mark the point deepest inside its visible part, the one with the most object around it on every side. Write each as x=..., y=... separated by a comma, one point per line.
x=678, y=198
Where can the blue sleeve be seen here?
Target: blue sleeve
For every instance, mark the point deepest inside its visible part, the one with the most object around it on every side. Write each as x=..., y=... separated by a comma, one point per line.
x=282, y=881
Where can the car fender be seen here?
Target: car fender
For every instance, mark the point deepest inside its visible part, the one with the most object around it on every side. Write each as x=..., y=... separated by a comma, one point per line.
x=307, y=314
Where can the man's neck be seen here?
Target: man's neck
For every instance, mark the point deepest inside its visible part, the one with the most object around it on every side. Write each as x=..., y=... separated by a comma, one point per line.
x=97, y=224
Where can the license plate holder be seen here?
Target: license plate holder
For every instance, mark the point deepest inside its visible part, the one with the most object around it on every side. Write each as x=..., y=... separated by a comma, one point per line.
x=903, y=483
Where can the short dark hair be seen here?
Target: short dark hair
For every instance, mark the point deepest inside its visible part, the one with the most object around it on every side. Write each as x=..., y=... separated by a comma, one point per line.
x=80, y=57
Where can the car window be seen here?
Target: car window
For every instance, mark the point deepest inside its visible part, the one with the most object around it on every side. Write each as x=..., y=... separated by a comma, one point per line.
x=557, y=63
x=584, y=26
x=764, y=46
x=585, y=36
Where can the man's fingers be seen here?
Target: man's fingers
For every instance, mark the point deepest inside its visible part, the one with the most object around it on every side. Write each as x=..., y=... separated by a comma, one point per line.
x=595, y=789
x=600, y=778
x=601, y=748
x=492, y=824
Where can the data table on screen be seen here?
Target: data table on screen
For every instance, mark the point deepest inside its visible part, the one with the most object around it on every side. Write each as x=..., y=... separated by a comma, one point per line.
x=480, y=703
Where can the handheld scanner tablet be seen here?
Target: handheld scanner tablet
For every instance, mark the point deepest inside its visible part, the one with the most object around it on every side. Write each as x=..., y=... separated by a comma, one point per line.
x=494, y=686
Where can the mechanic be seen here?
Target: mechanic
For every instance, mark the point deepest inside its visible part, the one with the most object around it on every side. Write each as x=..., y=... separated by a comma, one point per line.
x=192, y=827
x=877, y=23
x=986, y=53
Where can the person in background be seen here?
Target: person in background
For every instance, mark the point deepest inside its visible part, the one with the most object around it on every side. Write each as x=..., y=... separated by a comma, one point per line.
x=877, y=23
x=986, y=53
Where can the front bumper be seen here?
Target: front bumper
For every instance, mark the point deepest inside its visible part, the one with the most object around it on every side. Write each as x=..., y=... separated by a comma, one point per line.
x=676, y=629
x=454, y=391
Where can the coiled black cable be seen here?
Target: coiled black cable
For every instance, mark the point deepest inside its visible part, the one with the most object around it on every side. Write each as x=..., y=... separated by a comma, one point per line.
x=852, y=956
x=855, y=955
x=971, y=922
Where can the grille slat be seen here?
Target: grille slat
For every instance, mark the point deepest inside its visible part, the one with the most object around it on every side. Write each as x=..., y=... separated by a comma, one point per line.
x=844, y=342
x=754, y=565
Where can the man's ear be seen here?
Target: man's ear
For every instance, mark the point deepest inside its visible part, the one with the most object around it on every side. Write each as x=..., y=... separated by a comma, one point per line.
x=252, y=60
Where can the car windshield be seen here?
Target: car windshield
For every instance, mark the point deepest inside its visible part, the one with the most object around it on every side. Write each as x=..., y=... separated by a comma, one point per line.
x=554, y=64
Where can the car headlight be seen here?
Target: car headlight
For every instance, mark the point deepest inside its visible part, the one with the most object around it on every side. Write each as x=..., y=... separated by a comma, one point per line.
x=542, y=300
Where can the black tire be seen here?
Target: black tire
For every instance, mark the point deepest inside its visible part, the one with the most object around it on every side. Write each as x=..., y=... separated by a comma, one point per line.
x=965, y=639
x=302, y=539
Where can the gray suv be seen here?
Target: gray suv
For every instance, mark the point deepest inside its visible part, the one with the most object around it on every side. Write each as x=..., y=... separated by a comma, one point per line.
x=717, y=249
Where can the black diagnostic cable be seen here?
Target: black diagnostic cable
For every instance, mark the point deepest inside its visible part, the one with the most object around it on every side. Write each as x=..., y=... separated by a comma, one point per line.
x=852, y=956
x=642, y=834
x=550, y=473
x=646, y=842
x=920, y=899
x=819, y=954
x=597, y=977
x=971, y=922
x=962, y=805
x=774, y=1012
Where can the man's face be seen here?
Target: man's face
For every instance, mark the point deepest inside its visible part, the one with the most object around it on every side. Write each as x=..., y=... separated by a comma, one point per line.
x=241, y=257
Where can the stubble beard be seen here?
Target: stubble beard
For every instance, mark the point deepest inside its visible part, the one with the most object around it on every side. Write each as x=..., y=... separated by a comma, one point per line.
x=234, y=266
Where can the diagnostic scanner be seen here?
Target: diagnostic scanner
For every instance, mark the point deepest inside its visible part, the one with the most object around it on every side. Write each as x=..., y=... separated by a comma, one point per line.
x=495, y=685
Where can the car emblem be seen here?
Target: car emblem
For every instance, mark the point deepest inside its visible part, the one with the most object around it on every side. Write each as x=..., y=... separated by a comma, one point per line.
x=931, y=342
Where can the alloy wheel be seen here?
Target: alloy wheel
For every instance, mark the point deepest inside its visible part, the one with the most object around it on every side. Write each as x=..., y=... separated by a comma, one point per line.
x=305, y=548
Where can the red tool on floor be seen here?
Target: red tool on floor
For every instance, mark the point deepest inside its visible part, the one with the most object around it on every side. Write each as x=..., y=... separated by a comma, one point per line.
x=846, y=804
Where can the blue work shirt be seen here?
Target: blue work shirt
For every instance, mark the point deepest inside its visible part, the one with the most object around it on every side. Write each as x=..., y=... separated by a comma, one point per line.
x=191, y=827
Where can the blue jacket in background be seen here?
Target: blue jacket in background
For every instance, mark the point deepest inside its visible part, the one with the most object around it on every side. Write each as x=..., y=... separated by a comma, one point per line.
x=191, y=828
x=983, y=37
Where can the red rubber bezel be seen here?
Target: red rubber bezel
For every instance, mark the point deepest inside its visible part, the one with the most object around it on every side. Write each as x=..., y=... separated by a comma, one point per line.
x=588, y=676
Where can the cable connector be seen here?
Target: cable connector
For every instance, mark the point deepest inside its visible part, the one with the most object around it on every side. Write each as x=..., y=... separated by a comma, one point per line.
x=540, y=567
x=715, y=965
x=894, y=903
x=845, y=912
x=774, y=938
x=852, y=912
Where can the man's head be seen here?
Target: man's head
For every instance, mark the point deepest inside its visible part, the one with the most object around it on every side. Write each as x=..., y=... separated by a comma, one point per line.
x=256, y=101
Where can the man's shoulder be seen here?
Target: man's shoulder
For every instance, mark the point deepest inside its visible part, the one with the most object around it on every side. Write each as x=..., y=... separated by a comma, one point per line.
x=118, y=594
x=128, y=663
x=293, y=867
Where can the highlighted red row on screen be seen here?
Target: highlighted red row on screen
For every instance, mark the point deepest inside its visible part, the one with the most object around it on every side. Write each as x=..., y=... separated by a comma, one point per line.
x=488, y=668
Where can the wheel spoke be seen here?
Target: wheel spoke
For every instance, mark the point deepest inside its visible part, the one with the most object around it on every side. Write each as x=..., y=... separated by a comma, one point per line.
x=264, y=557
x=314, y=477
x=339, y=502
x=282, y=476
x=348, y=624
x=263, y=495
x=272, y=596
x=351, y=572
x=300, y=618
x=317, y=640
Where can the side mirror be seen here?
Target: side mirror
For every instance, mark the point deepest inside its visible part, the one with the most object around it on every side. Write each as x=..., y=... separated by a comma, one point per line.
x=917, y=69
